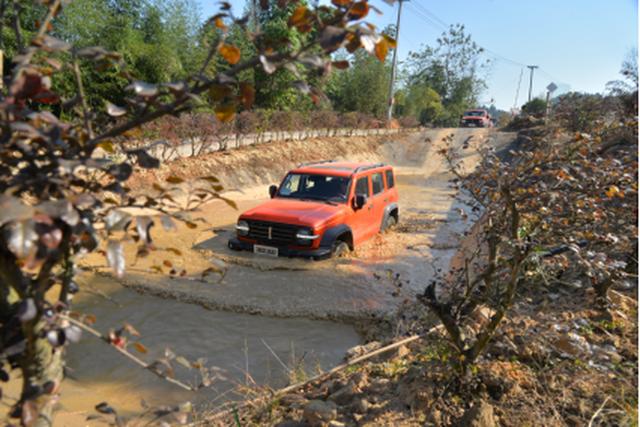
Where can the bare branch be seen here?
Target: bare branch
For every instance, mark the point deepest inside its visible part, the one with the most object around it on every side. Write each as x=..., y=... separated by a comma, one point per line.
x=126, y=353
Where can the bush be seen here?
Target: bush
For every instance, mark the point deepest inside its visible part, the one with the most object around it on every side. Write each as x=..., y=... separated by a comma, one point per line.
x=250, y=122
x=408, y=122
x=580, y=112
x=286, y=121
x=325, y=119
x=536, y=107
x=349, y=120
x=193, y=125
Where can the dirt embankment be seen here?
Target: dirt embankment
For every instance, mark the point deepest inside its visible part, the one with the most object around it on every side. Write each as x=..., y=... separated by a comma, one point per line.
x=264, y=164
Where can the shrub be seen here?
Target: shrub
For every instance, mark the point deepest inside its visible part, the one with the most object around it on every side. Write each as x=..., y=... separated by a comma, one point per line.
x=250, y=122
x=580, y=112
x=536, y=107
x=286, y=121
x=323, y=119
x=408, y=122
x=349, y=120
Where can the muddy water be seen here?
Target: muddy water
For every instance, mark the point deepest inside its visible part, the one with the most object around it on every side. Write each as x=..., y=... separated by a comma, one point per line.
x=240, y=345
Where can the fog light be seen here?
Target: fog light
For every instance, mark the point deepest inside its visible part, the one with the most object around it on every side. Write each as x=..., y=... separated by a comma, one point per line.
x=242, y=227
x=305, y=237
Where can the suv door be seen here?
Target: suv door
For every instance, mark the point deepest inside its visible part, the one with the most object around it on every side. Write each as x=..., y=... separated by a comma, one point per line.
x=378, y=200
x=360, y=220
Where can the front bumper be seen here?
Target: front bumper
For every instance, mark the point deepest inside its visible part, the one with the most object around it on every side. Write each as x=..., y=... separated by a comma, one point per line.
x=471, y=124
x=317, y=254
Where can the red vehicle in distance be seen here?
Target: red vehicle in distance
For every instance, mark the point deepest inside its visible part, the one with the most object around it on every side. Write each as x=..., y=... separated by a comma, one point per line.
x=321, y=210
x=476, y=118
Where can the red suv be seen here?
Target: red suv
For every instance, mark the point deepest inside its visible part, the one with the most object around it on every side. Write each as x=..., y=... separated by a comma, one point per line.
x=476, y=118
x=320, y=210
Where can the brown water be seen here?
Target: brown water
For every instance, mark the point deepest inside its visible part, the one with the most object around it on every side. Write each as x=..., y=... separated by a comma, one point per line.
x=235, y=343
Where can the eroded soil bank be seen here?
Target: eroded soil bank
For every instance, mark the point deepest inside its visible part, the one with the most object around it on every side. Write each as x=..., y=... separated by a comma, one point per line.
x=371, y=283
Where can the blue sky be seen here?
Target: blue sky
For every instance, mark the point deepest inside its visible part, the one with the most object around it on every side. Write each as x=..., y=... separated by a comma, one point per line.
x=578, y=44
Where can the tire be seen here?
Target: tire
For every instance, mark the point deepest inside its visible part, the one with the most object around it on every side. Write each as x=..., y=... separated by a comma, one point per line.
x=340, y=249
x=389, y=223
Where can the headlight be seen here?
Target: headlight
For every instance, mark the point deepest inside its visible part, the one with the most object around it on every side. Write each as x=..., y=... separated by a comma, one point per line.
x=242, y=227
x=305, y=236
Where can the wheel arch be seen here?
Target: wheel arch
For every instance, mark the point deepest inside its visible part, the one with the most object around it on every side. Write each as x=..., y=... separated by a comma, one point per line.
x=390, y=210
x=339, y=232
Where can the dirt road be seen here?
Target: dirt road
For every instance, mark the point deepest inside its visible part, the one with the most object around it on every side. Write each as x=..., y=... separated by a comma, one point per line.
x=363, y=285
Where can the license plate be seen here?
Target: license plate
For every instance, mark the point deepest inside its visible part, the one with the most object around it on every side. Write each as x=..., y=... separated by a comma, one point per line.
x=265, y=250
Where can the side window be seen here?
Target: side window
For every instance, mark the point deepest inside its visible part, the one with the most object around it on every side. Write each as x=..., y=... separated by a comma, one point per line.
x=389, y=176
x=290, y=185
x=376, y=183
x=362, y=186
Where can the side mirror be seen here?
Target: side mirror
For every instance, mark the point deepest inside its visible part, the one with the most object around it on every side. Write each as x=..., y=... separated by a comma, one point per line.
x=273, y=189
x=359, y=201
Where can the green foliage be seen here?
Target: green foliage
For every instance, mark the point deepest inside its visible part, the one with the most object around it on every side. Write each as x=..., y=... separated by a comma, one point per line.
x=362, y=87
x=157, y=41
x=421, y=102
x=453, y=69
x=536, y=107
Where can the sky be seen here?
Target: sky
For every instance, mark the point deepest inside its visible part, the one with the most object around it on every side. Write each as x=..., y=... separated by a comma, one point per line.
x=578, y=44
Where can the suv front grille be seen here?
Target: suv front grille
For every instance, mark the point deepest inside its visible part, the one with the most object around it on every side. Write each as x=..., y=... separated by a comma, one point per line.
x=272, y=233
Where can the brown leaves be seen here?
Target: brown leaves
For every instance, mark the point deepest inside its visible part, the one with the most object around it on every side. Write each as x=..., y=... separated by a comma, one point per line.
x=340, y=65
x=614, y=191
x=140, y=348
x=225, y=112
x=359, y=10
x=247, y=95
x=230, y=53
x=301, y=19
x=381, y=50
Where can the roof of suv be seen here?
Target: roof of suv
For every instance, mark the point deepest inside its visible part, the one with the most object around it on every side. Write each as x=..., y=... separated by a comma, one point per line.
x=336, y=168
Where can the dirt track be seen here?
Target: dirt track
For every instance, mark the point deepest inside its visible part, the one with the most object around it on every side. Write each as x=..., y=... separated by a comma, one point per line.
x=362, y=286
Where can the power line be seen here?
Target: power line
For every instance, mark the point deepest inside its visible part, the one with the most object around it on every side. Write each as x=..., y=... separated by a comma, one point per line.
x=432, y=17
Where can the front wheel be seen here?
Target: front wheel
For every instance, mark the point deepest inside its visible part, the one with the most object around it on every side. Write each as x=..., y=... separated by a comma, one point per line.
x=390, y=222
x=340, y=249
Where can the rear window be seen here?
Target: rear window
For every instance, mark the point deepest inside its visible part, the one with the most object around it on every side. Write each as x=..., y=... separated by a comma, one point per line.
x=362, y=186
x=389, y=175
x=376, y=183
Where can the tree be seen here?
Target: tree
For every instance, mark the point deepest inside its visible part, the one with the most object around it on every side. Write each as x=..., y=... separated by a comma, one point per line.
x=422, y=102
x=453, y=68
x=63, y=176
x=363, y=87
x=536, y=107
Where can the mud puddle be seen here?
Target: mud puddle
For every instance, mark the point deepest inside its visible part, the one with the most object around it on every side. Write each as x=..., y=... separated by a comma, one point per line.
x=239, y=345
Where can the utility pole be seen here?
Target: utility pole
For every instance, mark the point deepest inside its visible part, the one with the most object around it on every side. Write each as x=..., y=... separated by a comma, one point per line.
x=531, y=68
x=394, y=63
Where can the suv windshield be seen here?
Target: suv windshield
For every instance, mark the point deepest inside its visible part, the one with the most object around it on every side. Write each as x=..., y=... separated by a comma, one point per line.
x=315, y=187
x=474, y=113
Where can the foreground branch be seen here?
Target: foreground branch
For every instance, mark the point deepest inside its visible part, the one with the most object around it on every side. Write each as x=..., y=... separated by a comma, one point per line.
x=127, y=354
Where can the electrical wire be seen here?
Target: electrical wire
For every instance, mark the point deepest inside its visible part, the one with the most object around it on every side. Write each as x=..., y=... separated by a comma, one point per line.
x=434, y=20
